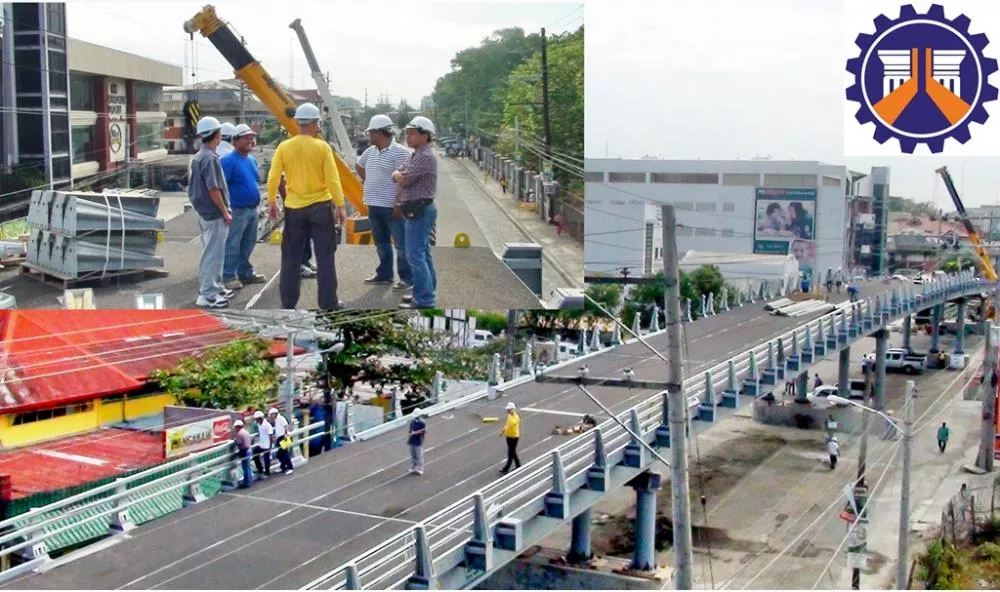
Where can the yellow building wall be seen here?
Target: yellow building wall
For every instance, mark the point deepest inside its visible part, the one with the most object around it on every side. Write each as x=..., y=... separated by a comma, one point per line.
x=148, y=405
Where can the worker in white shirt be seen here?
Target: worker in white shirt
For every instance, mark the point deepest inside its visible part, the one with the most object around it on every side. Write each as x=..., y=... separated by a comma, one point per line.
x=833, y=449
x=280, y=432
x=226, y=145
x=262, y=450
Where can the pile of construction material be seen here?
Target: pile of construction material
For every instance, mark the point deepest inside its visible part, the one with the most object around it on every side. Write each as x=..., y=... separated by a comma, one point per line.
x=787, y=307
x=83, y=235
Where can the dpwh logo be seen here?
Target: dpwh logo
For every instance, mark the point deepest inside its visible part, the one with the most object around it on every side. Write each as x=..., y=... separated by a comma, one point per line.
x=922, y=78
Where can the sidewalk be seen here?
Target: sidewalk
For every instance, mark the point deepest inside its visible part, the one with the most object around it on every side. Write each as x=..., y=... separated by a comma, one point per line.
x=563, y=253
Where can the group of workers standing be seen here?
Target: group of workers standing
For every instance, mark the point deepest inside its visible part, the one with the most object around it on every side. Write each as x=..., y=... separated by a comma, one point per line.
x=399, y=192
x=273, y=437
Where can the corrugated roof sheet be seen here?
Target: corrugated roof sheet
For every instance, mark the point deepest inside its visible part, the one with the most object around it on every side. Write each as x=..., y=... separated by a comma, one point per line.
x=80, y=459
x=54, y=357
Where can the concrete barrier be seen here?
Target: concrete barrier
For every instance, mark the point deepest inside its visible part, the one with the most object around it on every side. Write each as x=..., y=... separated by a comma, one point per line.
x=798, y=415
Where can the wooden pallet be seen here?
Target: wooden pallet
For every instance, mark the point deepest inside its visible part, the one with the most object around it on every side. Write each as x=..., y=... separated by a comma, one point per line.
x=66, y=283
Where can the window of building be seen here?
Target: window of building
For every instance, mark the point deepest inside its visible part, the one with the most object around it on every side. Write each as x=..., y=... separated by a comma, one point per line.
x=593, y=177
x=55, y=14
x=704, y=231
x=684, y=230
x=149, y=136
x=727, y=232
x=26, y=15
x=28, y=76
x=81, y=92
x=626, y=177
x=729, y=207
x=57, y=72
x=83, y=144
x=740, y=179
x=705, y=206
x=43, y=414
x=831, y=181
x=147, y=97
x=686, y=178
x=789, y=180
x=685, y=206
x=29, y=133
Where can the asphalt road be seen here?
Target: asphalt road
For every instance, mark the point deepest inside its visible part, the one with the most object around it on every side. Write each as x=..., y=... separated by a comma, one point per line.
x=287, y=531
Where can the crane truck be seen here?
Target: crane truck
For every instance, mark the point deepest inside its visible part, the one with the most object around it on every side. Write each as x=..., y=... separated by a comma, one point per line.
x=985, y=263
x=357, y=229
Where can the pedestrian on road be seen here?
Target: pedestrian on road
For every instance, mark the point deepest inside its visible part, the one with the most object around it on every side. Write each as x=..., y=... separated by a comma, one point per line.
x=818, y=382
x=512, y=433
x=240, y=169
x=242, y=439
x=416, y=441
x=315, y=203
x=209, y=196
x=226, y=145
x=833, y=449
x=262, y=451
x=418, y=180
x=376, y=167
x=283, y=439
x=943, y=433
x=852, y=291
x=503, y=184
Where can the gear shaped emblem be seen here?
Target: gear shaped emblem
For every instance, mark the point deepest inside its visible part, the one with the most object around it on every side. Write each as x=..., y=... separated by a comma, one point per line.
x=887, y=78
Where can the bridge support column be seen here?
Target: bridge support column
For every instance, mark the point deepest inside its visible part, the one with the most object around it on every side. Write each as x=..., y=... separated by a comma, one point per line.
x=960, y=328
x=423, y=572
x=907, y=331
x=646, y=485
x=844, y=373
x=881, y=344
x=801, y=387
x=579, y=549
x=936, y=316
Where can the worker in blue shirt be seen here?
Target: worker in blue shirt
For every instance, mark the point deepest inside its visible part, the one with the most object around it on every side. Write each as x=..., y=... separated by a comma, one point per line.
x=240, y=170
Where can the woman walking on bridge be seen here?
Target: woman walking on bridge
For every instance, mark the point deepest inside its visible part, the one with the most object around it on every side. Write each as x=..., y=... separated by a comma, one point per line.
x=512, y=432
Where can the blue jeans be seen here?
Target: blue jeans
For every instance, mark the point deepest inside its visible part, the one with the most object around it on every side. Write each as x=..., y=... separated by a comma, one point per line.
x=386, y=230
x=213, y=245
x=247, y=470
x=418, y=254
x=240, y=242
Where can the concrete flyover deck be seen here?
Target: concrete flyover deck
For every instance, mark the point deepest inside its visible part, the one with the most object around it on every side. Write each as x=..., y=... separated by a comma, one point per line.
x=287, y=531
x=472, y=277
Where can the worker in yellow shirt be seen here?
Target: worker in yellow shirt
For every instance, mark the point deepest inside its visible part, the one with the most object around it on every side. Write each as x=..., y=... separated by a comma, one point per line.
x=512, y=432
x=314, y=204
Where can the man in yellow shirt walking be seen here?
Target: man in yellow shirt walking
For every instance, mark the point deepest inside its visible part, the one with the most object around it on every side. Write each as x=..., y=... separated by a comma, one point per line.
x=512, y=432
x=314, y=203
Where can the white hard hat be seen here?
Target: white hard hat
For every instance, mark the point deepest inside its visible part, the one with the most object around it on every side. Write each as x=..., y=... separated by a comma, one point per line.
x=511, y=406
x=207, y=126
x=307, y=112
x=238, y=423
x=228, y=130
x=421, y=123
x=272, y=411
x=243, y=130
x=258, y=414
x=379, y=122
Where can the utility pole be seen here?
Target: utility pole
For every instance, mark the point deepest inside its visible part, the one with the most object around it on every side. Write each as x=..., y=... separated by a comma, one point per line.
x=674, y=400
x=517, y=139
x=243, y=93
x=127, y=141
x=546, y=123
x=511, y=329
x=903, y=560
x=988, y=396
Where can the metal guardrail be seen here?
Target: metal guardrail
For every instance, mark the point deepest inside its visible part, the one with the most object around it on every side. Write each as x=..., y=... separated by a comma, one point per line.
x=442, y=539
x=111, y=502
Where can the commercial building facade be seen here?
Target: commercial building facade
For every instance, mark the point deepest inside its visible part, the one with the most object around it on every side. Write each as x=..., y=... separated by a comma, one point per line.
x=761, y=207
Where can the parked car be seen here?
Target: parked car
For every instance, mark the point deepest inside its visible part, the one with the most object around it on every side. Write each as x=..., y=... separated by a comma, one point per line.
x=898, y=359
x=819, y=396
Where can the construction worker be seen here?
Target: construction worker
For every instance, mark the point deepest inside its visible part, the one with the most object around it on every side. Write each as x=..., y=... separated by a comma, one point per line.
x=282, y=432
x=512, y=433
x=308, y=270
x=242, y=439
x=375, y=167
x=209, y=196
x=416, y=441
x=226, y=145
x=262, y=451
x=315, y=202
x=240, y=169
x=833, y=449
x=418, y=180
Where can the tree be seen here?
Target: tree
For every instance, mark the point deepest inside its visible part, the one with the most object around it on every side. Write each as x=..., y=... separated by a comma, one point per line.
x=230, y=376
x=522, y=107
x=404, y=113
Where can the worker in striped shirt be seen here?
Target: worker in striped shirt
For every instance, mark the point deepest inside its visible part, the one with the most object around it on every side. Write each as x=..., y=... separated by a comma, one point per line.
x=315, y=202
x=418, y=180
x=375, y=167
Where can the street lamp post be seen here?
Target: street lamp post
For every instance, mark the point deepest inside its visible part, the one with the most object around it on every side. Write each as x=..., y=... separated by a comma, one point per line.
x=904, y=496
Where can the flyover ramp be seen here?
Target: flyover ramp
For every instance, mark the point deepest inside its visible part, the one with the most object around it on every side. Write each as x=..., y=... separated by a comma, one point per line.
x=287, y=531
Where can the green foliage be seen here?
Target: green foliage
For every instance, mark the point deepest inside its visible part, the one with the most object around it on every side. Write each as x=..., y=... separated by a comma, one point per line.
x=902, y=204
x=404, y=113
x=943, y=567
x=231, y=376
x=22, y=177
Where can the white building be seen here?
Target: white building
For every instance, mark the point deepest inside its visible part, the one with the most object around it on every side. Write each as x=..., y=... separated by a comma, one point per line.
x=761, y=207
x=745, y=272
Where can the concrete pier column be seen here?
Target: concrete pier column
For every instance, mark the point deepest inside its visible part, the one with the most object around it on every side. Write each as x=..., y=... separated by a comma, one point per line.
x=881, y=344
x=936, y=316
x=907, y=330
x=646, y=485
x=579, y=550
x=960, y=328
x=802, y=386
x=844, y=373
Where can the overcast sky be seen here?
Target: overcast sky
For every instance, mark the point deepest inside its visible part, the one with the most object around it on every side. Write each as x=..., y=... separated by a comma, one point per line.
x=727, y=79
x=396, y=47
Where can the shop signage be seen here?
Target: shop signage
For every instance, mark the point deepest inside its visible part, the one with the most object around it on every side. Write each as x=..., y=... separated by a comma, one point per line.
x=117, y=140
x=195, y=436
x=117, y=100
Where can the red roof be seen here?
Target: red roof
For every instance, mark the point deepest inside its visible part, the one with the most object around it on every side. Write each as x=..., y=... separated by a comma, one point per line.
x=80, y=459
x=55, y=357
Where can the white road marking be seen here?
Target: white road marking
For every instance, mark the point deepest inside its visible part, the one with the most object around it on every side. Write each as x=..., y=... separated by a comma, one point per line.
x=553, y=412
x=87, y=460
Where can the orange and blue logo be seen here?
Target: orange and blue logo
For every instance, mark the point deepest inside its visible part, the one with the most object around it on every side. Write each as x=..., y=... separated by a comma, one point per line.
x=922, y=79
